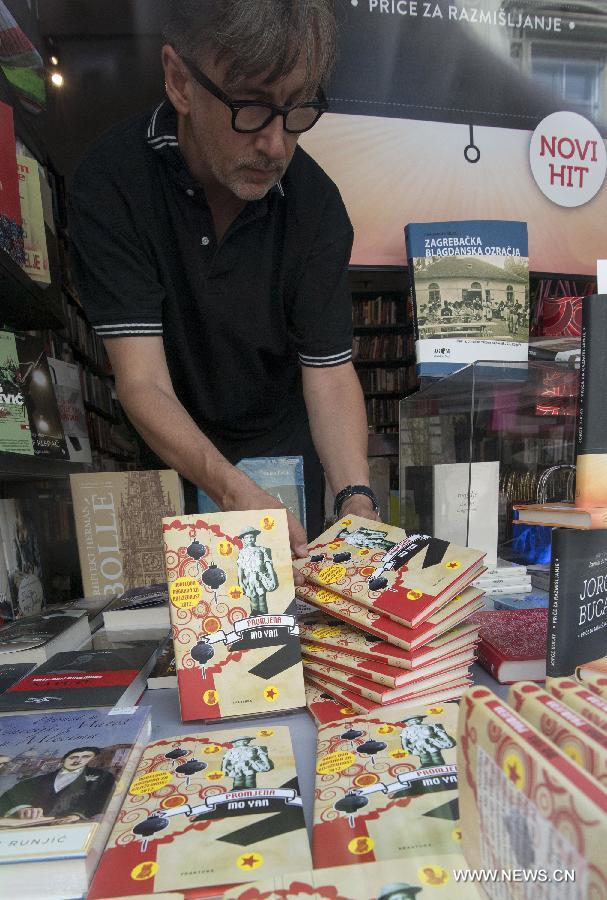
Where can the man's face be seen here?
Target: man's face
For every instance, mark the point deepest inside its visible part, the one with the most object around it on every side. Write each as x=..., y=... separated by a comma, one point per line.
x=78, y=760
x=247, y=164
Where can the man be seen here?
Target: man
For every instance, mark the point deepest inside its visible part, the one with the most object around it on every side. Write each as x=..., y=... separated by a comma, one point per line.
x=211, y=255
x=256, y=575
x=426, y=740
x=242, y=763
x=74, y=791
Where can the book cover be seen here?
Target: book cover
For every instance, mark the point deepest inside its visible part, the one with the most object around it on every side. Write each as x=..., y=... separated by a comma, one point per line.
x=280, y=476
x=337, y=636
x=596, y=681
x=521, y=601
x=465, y=509
x=585, y=744
x=568, y=515
x=579, y=698
x=164, y=673
x=85, y=679
x=512, y=644
x=119, y=527
x=21, y=556
x=15, y=434
x=11, y=673
x=68, y=391
x=386, y=786
x=62, y=781
x=592, y=668
x=470, y=291
x=577, y=613
x=35, y=381
x=407, y=577
x=400, y=879
x=11, y=231
x=139, y=608
x=448, y=616
x=32, y=639
x=32, y=219
x=218, y=808
x=232, y=610
x=524, y=804
x=322, y=706
x=591, y=437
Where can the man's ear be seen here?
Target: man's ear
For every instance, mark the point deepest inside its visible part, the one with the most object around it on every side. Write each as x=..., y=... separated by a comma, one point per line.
x=176, y=79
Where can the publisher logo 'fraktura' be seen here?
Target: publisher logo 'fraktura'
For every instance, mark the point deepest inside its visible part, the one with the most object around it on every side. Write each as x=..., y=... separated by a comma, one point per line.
x=471, y=11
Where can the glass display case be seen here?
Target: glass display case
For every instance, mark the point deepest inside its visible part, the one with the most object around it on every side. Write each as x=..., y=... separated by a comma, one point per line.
x=474, y=444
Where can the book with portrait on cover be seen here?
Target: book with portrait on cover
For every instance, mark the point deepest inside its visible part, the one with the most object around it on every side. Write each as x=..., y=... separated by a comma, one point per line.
x=232, y=607
x=380, y=567
x=206, y=810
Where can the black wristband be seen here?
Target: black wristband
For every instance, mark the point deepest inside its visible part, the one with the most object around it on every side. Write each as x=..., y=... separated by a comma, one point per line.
x=348, y=492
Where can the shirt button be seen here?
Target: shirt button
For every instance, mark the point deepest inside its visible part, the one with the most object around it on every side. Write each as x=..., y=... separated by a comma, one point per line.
x=190, y=192
x=205, y=241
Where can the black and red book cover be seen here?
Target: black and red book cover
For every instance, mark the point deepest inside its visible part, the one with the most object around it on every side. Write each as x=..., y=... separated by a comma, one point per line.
x=84, y=679
x=11, y=231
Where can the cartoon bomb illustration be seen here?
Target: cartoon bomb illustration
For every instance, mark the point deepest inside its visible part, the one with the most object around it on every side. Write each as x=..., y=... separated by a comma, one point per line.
x=425, y=739
x=256, y=575
x=242, y=763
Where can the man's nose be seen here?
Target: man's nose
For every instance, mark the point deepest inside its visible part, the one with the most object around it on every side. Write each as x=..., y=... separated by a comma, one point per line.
x=271, y=139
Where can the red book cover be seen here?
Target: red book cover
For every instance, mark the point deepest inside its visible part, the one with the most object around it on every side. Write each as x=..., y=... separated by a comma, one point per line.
x=512, y=643
x=11, y=232
x=380, y=567
x=323, y=707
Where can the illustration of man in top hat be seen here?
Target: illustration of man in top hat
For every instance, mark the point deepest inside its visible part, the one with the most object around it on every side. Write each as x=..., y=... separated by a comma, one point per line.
x=242, y=763
x=398, y=890
x=256, y=575
x=426, y=740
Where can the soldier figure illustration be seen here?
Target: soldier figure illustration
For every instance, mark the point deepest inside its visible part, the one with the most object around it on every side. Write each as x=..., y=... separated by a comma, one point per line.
x=425, y=740
x=242, y=763
x=371, y=538
x=256, y=575
x=398, y=890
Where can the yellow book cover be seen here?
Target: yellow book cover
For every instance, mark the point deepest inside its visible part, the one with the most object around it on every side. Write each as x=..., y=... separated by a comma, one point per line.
x=32, y=214
x=524, y=805
x=232, y=607
x=386, y=786
x=205, y=810
x=579, y=698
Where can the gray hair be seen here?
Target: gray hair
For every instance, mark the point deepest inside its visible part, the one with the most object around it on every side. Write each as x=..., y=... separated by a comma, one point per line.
x=256, y=36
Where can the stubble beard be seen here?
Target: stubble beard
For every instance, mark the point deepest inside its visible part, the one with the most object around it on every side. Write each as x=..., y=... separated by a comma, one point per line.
x=237, y=182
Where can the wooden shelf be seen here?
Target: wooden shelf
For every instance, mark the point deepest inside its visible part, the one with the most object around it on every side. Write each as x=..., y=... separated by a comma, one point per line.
x=367, y=329
x=24, y=305
x=18, y=466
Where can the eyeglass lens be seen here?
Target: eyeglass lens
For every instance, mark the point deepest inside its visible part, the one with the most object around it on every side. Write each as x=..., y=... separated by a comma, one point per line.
x=253, y=118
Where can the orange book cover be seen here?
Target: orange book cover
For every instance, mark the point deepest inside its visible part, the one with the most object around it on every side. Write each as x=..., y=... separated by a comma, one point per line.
x=407, y=577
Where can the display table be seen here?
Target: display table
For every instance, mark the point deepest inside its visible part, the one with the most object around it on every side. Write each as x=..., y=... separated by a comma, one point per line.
x=166, y=722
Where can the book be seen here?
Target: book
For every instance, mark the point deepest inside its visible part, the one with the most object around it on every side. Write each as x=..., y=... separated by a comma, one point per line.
x=62, y=782
x=591, y=438
x=280, y=476
x=380, y=694
x=34, y=639
x=567, y=515
x=505, y=587
x=83, y=679
x=164, y=673
x=139, y=607
x=533, y=600
x=207, y=810
x=323, y=707
x=595, y=681
x=11, y=230
x=32, y=219
x=585, y=744
x=15, y=434
x=331, y=634
x=596, y=667
x=232, y=610
x=24, y=593
x=386, y=786
x=579, y=698
x=93, y=607
x=448, y=616
x=398, y=879
x=523, y=803
x=34, y=380
x=512, y=644
x=407, y=577
x=561, y=349
x=465, y=507
x=380, y=672
x=577, y=613
x=118, y=519
x=470, y=292
x=12, y=672
x=68, y=391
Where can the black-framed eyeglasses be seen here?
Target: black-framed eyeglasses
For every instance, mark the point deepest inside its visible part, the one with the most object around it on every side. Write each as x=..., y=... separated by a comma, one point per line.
x=249, y=116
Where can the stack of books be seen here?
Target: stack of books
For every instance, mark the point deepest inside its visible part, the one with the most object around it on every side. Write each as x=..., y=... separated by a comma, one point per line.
x=505, y=578
x=394, y=617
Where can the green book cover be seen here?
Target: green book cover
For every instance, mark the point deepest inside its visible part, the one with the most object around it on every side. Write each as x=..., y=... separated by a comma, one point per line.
x=15, y=434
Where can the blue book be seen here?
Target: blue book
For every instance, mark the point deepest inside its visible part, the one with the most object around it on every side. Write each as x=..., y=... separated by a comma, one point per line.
x=470, y=291
x=535, y=600
x=280, y=476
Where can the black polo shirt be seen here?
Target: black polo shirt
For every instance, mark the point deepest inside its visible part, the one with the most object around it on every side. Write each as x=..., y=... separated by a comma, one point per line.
x=237, y=318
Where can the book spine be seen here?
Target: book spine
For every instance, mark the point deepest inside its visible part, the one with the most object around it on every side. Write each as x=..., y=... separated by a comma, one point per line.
x=591, y=448
x=556, y=658
x=489, y=659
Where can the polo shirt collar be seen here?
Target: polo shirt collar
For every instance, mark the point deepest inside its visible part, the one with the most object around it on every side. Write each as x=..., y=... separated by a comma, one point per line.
x=161, y=136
